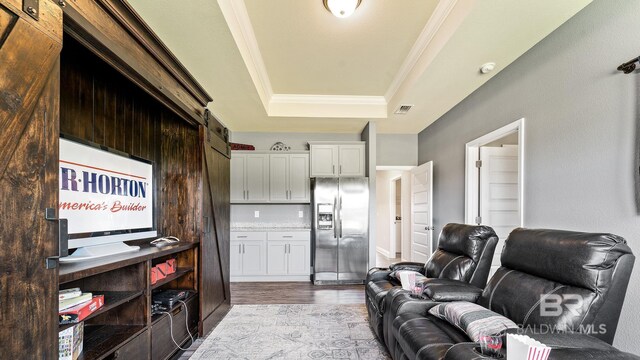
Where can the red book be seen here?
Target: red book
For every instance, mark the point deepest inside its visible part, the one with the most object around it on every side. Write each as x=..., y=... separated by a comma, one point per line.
x=81, y=311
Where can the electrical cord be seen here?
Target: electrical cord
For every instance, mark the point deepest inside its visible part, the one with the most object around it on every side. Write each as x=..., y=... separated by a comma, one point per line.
x=171, y=329
x=186, y=320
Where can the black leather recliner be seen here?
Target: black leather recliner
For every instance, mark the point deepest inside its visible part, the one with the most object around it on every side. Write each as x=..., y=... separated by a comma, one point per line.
x=536, y=264
x=464, y=254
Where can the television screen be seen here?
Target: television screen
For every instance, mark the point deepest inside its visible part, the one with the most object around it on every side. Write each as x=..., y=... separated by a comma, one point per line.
x=103, y=193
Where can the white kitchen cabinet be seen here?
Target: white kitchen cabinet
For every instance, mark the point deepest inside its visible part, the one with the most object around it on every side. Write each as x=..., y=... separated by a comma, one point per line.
x=270, y=255
x=289, y=178
x=337, y=159
x=288, y=257
x=248, y=254
x=249, y=177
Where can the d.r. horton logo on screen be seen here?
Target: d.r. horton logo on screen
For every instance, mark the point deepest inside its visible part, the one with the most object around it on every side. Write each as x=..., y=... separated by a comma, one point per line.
x=95, y=183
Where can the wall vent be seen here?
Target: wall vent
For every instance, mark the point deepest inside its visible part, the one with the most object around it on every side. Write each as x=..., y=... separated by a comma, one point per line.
x=403, y=109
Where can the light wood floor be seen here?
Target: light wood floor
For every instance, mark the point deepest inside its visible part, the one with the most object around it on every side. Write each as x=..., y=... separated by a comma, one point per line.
x=246, y=293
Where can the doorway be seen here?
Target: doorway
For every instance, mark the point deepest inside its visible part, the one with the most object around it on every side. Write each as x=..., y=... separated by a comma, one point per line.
x=393, y=208
x=494, y=179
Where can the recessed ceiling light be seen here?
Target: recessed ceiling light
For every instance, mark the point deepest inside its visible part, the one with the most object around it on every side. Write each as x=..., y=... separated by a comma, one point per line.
x=487, y=67
x=341, y=8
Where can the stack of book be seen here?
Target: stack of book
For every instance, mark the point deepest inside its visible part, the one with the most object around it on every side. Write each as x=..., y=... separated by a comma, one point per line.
x=74, y=305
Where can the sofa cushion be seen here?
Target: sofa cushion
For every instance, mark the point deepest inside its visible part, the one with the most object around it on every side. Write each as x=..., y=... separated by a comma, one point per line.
x=572, y=258
x=425, y=338
x=473, y=319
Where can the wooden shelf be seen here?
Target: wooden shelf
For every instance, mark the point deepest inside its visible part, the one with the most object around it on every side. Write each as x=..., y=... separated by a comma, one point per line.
x=74, y=271
x=102, y=340
x=112, y=299
x=179, y=273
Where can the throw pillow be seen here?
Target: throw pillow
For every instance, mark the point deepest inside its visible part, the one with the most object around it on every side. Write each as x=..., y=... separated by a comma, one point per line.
x=473, y=319
x=409, y=279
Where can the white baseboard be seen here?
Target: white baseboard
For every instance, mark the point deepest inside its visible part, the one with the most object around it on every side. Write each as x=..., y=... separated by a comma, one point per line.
x=383, y=252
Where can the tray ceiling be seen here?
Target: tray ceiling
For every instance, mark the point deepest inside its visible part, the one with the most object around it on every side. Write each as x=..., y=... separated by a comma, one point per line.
x=289, y=65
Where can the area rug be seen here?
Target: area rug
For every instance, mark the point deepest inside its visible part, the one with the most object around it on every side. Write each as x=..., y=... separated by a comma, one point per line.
x=258, y=332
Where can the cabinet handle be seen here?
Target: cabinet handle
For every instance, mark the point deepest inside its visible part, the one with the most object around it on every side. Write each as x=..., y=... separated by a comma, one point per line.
x=241, y=236
x=243, y=248
x=334, y=170
x=288, y=247
x=239, y=248
x=340, y=170
x=287, y=236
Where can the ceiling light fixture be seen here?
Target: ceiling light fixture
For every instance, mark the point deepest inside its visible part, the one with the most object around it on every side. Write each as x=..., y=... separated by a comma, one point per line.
x=341, y=8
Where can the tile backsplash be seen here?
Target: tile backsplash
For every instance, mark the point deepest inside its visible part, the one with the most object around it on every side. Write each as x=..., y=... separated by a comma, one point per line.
x=270, y=215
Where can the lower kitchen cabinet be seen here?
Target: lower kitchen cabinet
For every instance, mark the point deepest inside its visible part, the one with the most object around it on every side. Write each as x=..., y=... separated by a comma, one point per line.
x=270, y=256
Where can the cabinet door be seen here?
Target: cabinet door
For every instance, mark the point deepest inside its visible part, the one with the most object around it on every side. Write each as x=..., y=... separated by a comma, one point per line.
x=299, y=258
x=277, y=257
x=253, y=257
x=324, y=160
x=279, y=177
x=238, y=166
x=257, y=177
x=351, y=160
x=235, y=258
x=299, y=185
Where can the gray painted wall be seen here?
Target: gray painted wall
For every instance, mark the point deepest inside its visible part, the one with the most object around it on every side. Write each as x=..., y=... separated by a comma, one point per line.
x=397, y=150
x=580, y=134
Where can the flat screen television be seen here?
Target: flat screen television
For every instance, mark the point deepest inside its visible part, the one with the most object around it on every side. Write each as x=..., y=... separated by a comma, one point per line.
x=107, y=198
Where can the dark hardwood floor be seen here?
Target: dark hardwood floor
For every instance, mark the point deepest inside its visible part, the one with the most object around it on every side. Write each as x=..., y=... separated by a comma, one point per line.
x=245, y=293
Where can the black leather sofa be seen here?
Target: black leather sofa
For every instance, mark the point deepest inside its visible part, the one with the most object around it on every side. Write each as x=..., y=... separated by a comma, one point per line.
x=535, y=263
x=464, y=254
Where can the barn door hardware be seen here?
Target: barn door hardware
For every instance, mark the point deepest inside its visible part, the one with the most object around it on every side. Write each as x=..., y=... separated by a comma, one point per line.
x=32, y=8
x=63, y=238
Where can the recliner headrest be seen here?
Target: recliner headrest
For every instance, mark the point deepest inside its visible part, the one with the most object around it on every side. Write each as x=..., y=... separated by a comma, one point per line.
x=567, y=257
x=467, y=240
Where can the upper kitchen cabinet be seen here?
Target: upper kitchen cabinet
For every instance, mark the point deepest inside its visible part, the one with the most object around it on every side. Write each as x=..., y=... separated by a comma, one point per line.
x=331, y=159
x=249, y=177
x=289, y=178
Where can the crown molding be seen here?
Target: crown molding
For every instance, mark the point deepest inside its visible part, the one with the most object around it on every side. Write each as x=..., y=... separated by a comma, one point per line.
x=237, y=17
x=331, y=106
x=342, y=106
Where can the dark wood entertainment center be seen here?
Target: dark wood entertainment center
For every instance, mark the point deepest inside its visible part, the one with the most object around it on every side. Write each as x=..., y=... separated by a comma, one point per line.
x=91, y=69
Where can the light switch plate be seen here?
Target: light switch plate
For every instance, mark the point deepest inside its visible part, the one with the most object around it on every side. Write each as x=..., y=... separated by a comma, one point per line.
x=300, y=214
x=256, y=214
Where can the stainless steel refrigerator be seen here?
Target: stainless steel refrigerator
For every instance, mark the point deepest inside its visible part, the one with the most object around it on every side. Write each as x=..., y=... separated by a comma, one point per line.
x=340, y=230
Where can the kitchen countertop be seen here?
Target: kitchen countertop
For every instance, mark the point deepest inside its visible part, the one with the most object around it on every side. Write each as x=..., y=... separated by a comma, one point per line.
x=269, y=227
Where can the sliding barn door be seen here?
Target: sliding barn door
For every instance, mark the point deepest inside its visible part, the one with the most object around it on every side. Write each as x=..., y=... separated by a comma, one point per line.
x=29, y=107
x=214, y=259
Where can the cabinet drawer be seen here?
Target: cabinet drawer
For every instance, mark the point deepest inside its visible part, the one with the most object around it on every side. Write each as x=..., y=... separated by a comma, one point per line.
x=248, y=235
x=289, y=235
x=138, y=348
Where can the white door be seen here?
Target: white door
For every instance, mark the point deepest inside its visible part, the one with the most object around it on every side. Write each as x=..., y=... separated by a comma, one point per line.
x=299, y=258
x=257, y=177
x=351, y=160
x=253, y=257
x=421, y=211
x=277, y=257
x=324, y=160
x=279, y=177
x=299, y=185
x=499, y=200
x=238, y=165
x=235, y=258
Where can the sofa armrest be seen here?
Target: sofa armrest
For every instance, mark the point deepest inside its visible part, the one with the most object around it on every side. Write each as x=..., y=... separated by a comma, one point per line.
x=407, y=265
x=450, y=290
x=401, y=301
x=377, y=274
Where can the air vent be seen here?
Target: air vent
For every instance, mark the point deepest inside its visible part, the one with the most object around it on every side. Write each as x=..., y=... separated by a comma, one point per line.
x=403, y=109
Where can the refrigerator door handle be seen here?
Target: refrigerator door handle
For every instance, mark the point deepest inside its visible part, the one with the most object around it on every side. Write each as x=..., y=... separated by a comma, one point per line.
x=335, y=217
x=340, y=215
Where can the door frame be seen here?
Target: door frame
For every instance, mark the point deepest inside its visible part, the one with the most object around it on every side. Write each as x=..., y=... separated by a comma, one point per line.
x=431, y=247
x=472, y=152
x=392, y=207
